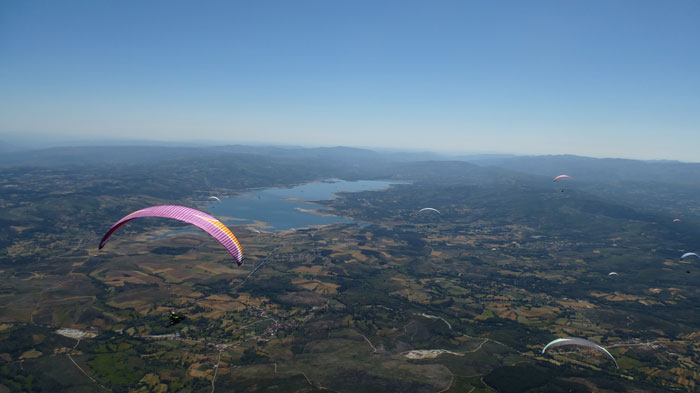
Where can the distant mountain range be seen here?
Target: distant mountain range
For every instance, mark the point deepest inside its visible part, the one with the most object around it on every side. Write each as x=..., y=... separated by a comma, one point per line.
x=582, y=169
x=597, y=169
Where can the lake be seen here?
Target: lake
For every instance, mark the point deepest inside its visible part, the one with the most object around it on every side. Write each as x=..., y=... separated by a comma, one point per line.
x=276, y=209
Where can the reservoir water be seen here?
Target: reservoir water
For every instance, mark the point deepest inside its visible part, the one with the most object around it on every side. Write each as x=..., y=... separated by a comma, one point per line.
x=275, y=209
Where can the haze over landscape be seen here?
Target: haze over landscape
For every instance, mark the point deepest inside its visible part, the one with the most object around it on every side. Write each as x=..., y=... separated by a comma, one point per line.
x=601, y=79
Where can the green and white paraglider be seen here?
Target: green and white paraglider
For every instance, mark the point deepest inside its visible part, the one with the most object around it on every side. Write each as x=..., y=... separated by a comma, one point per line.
x=580, y=342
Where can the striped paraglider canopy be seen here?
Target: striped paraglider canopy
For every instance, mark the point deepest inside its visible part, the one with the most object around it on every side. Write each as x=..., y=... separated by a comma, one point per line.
x=195, y=217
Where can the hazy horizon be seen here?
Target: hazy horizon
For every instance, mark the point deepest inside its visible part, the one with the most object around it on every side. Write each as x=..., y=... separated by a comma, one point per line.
x=61, y=140
x=591, y=79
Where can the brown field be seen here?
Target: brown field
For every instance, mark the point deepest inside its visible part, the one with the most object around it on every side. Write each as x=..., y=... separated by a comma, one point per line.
x=317, y=286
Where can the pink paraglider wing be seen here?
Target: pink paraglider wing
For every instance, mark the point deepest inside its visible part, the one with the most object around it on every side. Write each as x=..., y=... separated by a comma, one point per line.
x=195, y=217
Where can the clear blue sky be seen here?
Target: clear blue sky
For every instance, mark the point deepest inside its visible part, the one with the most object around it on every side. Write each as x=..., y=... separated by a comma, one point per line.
x=600, y=78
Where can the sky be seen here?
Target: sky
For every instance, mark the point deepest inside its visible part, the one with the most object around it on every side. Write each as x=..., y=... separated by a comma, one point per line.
x=607, y=78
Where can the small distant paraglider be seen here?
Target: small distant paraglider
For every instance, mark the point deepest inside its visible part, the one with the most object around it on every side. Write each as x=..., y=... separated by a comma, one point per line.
x=676, y=220
x=561, y=177
x=580, y=342
x=613, y=274
x=214, y=198
x=195, y=217
x=689, y=254
x=425, y=209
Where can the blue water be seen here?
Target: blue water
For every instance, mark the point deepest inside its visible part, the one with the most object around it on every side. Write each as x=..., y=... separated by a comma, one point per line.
x=273, y=207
